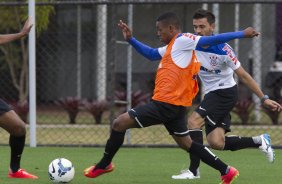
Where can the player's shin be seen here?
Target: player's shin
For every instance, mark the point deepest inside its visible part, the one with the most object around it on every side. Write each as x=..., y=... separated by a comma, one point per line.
x=197, y=136
x=17, y=146
x=208, y=157
x=234, y=143
x=113, y=144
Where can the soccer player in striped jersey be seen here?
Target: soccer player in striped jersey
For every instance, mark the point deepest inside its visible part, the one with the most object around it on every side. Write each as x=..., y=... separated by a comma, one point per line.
x=218, y=64
x=175, y=87
x=11, y=122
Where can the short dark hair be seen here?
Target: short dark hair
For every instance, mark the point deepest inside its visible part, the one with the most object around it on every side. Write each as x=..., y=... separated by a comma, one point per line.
x=201, y=13
x=170, y=18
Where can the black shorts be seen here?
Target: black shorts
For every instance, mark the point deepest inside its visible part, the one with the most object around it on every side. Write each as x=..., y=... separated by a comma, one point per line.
x=173, y=117
x=4, y=107
x=216, y=107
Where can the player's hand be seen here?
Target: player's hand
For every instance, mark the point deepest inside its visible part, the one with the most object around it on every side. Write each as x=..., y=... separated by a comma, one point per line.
x=126, y=31
x=27, y=26
x=274, y=106
x=250, y=32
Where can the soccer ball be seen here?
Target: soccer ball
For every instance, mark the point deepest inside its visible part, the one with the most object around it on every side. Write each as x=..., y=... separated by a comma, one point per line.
x=61, y=170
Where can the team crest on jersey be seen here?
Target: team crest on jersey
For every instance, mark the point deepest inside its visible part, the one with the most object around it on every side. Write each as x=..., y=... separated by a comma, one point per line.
x=213, y=60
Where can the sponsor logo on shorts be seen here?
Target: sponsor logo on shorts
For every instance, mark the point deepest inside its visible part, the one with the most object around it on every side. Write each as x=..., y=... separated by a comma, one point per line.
x=201, y=108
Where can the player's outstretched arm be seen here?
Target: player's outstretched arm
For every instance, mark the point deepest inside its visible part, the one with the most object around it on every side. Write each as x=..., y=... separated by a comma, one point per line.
x=145, y=50
x=225, y=37
x=11, y=37
x=247, y=79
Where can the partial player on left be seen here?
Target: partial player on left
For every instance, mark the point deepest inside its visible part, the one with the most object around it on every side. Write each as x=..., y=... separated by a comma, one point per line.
x=11, y=122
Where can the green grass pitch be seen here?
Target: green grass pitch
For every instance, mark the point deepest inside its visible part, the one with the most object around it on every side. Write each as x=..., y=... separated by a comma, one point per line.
x=143, y=165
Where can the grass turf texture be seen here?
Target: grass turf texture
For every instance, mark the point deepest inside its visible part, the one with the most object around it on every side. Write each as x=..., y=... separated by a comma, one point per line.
x=143, y=165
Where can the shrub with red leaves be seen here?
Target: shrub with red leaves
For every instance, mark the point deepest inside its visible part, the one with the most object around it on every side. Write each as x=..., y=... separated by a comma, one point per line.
x=137, y=98
x=96, y=108
x=71, y=105
x=243, y=109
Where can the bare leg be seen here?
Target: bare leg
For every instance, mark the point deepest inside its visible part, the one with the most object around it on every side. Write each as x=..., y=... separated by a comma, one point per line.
x=11, y=122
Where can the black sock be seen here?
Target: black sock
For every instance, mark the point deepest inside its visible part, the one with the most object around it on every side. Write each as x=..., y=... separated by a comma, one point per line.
x=113, y=144
x=17, y=146
x=197, y=136
x=234, y=143
x=208, y=157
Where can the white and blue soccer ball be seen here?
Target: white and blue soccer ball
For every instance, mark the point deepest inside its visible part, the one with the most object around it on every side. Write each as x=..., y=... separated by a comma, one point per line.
x=61, y=170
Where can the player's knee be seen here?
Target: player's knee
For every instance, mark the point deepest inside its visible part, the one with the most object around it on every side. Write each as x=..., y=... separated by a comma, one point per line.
x=184, y=142
x=19, y=129
x=186, y=146
x=217, y=145
x=193, y=124
x=116, y=125
x=119, y=124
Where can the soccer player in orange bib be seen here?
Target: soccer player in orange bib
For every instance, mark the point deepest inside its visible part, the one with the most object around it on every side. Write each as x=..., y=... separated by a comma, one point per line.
x=175, y=87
